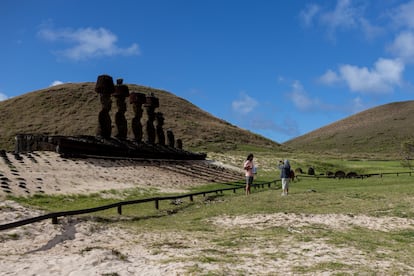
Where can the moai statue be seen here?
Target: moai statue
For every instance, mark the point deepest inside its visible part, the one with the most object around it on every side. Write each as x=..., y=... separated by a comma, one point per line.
x=160, y=137
x=150, y=105
x=179, y=144
x=104, y=87
x=137, y=99
x=121, y=92
x=170, y=138
x=19, y=146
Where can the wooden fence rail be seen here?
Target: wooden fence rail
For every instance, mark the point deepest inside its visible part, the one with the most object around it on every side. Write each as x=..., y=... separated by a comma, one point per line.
x=362, y=176
x=118, y=205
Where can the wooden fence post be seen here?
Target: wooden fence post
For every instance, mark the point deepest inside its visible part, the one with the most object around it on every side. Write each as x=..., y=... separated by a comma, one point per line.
x=191, y=197
x=54, y=220
x=157, y=206
x=120, y=209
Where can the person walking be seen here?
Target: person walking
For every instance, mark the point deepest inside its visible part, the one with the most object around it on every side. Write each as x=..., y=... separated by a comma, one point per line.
x=249, y=168
x=284, y=168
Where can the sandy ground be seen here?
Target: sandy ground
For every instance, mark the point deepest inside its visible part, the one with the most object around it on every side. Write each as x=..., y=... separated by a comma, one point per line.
x=79, y=247
x=76, y=246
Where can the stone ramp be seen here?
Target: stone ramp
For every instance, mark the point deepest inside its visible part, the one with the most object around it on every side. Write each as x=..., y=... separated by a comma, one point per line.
x=203, y=170
x=47, y=172
x=85, y=145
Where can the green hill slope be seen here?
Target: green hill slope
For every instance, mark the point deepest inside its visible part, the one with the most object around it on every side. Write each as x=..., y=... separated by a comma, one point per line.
x=378, y=131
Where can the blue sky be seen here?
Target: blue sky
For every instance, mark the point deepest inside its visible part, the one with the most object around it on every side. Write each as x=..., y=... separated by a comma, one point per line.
x=277, y=68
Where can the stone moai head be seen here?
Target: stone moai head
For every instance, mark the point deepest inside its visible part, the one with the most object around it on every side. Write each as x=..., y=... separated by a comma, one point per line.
x=137, y=100
x=152, y=102
x=121, y=92
x=105, y=87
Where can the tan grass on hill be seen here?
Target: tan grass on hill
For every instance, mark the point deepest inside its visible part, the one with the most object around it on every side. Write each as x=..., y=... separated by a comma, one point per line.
x=379, y=130
x=72, y=109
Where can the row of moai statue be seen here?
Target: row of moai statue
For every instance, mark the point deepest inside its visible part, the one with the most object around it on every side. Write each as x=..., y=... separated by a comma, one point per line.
x=153, y=135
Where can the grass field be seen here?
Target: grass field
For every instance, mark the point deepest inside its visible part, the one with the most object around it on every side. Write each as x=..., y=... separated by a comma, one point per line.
x=343, y=227
x=373, y=198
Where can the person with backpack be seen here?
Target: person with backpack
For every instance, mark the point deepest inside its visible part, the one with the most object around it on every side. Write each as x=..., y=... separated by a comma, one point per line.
x=284, y=168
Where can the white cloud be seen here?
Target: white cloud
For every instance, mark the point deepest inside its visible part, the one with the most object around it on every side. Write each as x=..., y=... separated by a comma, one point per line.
x=306, y=103
x=382, y=78
x=403, y=46
x=244, y=105
x=357, y=105
x=302, y=101
x=330, y=77
x=347, y=15
x=403, y=15
x=3, y=97
x=344, y=15
x=288, y=127
x=308, y=15
x=385, y=74
x=88, y=43
x=370, y=31
x=56, y=82
x=299, y=97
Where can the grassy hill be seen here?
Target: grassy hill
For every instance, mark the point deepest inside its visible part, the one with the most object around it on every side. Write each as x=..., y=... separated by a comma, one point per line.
x=72, y=109
x=378, y=132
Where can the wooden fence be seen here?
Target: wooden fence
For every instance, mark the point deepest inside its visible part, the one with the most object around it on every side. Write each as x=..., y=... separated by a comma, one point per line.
x=118, y=205
x=361, y=176
x=156, y=200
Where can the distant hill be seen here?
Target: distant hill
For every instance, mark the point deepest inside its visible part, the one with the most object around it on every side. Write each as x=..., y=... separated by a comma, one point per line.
x=72, y=109
x=376, y=131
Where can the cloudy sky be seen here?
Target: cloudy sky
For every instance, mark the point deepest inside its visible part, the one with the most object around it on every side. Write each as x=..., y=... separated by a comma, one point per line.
x=277, y=68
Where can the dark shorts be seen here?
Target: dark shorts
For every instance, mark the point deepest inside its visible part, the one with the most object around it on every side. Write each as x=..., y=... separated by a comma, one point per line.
x=249, y=180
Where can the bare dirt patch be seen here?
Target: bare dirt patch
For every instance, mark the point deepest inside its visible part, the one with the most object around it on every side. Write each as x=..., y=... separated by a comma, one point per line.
x=333, y=221
x=79, y=247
